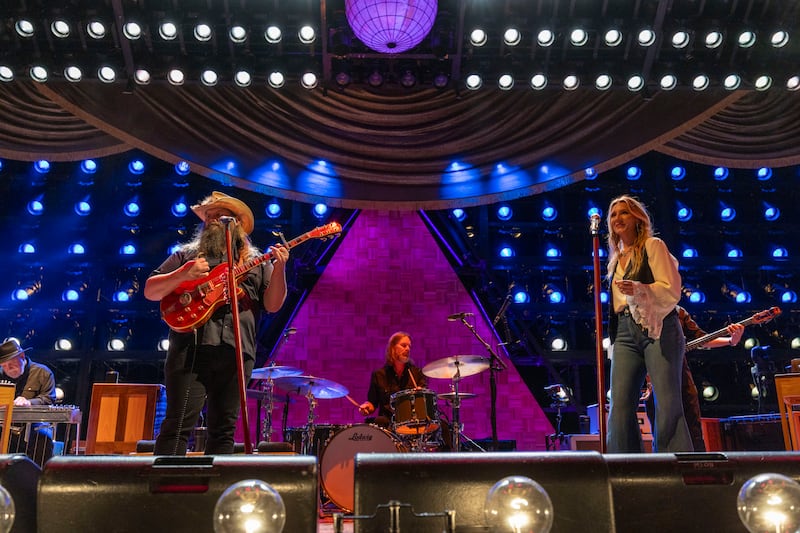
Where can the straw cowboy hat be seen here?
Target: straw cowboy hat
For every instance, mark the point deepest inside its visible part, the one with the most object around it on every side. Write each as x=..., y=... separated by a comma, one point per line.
x=235, y=206
x=10, y=349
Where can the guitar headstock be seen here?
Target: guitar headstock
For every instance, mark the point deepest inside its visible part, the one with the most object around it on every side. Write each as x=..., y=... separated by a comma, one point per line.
x=766, y=315
x=329, y=229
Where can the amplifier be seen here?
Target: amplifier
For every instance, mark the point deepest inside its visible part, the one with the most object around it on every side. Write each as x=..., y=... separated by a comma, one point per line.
x=753, y=433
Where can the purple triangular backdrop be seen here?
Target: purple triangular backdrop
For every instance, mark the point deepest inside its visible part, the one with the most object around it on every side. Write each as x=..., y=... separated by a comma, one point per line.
x=389, y=275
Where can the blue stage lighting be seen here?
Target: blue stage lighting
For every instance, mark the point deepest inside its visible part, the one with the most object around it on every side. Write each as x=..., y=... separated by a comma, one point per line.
x=553, y=294
x=684, y=213
x=36, y=206
x=771, y=213
x=506, y=252
x=689, y=252
x=764, y=173
x=727, y=214
x=459, y=214
x=83, y=208
x=88, y=166
x=594, y=211
x=779, y=252
x=677, y=173
x=27, y=248
x=788, y=297
x=127, y=249
x=121, y=296
x=70, y=295
x=549, y=213
x=174, y=248
x=132, y=208
x=604, y=297
x=273, y=210
x=320, y=210
x=136, y=166
x=721, y=173
x=735, y=253
x=521, y=297
x=552, y=251
x=633, y=173
x=76, y=249
x=504, y=212
x=590, y=173
x=42, y=166
x=182, y=168
x=179, y=208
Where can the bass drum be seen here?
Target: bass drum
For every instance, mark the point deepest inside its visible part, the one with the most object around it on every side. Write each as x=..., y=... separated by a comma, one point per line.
x=337, y=466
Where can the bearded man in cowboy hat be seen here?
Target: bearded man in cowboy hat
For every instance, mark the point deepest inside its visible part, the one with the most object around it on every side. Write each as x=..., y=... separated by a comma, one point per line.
x=35, y=386
x=201, y=364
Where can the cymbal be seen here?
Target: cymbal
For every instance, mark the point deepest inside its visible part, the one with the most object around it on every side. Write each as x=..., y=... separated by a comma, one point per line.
x=272, y=372
x=318, y=387
x=464, y=365
x=450, y=396
x=264, y=396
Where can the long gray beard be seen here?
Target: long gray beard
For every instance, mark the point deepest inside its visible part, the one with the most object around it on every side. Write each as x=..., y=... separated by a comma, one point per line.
x=212, y=240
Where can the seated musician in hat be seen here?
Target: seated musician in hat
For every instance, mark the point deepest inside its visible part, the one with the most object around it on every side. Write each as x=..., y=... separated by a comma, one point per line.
x=35, y=385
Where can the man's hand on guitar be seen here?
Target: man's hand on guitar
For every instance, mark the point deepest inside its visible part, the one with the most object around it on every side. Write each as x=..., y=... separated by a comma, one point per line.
x=195, y=269
x=280, y=255
x=735, y=331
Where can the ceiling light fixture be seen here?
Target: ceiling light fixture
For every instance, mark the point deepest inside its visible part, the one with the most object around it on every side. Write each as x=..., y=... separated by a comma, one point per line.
x=391, y=27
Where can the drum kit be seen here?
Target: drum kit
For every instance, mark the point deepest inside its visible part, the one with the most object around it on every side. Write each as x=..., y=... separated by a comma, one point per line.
x=416, y=425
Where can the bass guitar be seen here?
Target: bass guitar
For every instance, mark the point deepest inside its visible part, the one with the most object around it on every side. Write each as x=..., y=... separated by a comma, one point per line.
x=759, y=318
x=193, y=302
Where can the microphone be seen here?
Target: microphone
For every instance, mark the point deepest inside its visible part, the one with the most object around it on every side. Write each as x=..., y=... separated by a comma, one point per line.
x=459, y=316
x=227, y=219
x=289, y=331
x=594, y=224
x=503, y=309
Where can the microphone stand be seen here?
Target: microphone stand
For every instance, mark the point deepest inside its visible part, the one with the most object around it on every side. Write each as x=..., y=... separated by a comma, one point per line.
x=233, y=299
x=493, y=369
x=594, y=229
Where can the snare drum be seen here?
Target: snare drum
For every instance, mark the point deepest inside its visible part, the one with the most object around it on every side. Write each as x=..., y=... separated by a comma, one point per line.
x=337, y=465
x=415, y=412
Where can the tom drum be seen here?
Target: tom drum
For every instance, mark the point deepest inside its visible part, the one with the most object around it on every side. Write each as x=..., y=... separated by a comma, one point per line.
x=415, y=412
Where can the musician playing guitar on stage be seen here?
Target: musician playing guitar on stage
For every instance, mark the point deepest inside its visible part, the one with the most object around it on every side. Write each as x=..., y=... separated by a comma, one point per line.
x=201, y=359
x=696, y=338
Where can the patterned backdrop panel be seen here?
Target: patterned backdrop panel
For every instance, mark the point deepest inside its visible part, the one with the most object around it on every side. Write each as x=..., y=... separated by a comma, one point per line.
x=389, y=275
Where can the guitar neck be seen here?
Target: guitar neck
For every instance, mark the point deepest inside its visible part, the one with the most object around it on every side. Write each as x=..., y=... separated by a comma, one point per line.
x=243, y=268
x=700, y=341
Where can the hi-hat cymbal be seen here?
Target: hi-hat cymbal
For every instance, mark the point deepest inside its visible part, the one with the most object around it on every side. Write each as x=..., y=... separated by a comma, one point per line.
x=462, y=365
x=450, y=396
x=273, y=372
x=318, y=387
x=264, y=396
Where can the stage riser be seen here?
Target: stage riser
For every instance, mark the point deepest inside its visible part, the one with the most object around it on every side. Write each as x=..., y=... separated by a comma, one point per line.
x=690, y=493
x=124, y=494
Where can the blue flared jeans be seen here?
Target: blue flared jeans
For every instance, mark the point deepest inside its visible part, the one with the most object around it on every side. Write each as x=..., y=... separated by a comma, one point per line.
x=634, y=356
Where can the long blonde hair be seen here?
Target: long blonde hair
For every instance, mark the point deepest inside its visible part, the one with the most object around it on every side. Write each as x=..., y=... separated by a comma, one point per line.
x=644, y=230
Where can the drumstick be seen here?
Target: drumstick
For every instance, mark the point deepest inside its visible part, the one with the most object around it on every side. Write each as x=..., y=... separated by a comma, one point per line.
x=414, y=381
x=352, y=401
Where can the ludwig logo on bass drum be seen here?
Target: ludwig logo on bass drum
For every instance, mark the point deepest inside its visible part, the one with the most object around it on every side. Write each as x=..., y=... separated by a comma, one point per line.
x=357, y=437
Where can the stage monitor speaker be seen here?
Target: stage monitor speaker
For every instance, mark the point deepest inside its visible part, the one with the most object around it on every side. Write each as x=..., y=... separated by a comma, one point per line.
x=577, y=483
x=690, y=492
x=174, y=494
x=20, y=477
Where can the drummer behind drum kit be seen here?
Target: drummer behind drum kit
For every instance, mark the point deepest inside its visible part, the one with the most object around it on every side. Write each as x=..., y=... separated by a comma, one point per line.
x=416, y=426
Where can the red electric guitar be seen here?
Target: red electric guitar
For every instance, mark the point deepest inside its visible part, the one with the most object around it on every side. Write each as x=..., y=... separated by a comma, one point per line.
x=192, y=303
x=759, y=318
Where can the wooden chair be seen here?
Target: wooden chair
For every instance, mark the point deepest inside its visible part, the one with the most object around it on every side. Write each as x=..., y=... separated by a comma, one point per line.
x=7, y=394
x=120, y=415
x=787, y=389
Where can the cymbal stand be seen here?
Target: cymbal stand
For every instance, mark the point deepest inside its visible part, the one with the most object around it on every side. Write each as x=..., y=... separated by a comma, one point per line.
x=266, y=424
x=456, y=408
x=308, y=434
